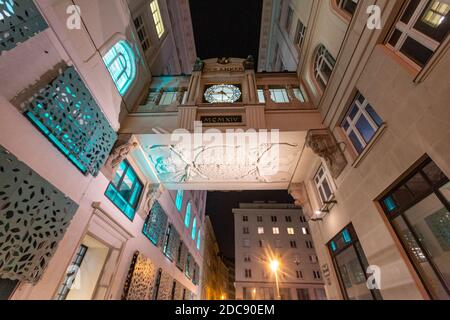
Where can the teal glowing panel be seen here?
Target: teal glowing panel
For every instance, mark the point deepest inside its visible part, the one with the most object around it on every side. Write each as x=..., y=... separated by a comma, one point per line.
x=194, y=228
x=333, y=246
x=346, y=236
x=125, y=190
x=187, y=218
x=67, y=114
x=121, y=64
x=19, y=21
x=155, y=224
x=198, y=240
x=390, y=204
x=179, y=200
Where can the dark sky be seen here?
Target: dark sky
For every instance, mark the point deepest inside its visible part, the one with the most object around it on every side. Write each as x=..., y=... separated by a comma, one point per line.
x=226, y=28
x=220, y=204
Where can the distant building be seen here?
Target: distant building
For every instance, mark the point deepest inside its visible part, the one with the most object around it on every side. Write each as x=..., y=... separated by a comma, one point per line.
x=231, y=290
x=266, y=233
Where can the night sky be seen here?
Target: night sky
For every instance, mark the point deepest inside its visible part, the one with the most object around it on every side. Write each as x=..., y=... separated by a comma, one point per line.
x=227, y=28
x=220, y=204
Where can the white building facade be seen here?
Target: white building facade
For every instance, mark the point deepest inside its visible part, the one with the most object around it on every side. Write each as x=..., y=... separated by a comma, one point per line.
x=268, y=232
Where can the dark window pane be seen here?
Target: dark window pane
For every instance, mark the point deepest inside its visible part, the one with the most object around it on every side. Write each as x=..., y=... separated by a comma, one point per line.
x=394, y=37
x=418, y=185
x=354, y=139
x=365, y=129
x=353, y=112
x=402, y=196
x=433, y=173
x=416, y=51
x=326, y=189
x=375, y=117
x=409, y=11
x=345, y=125
x=350, y=6
x=437, y=33
x=7, y=288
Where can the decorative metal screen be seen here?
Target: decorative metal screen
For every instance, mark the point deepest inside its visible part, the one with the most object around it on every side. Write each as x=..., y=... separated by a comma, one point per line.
x=155, y=224
x=20, y=20
x=173, y=243
x=141, y=279
x=196, y=274
x=34, y=216
x=68, y=115
x=181, y=256
x=165, y=287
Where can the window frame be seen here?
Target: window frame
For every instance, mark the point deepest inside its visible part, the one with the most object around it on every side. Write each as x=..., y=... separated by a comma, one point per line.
x=319, y=185
x=300, y=35
x=117, y=192
x=155, y=10
x=322, y=56
x=407, y=30
x=142, y=33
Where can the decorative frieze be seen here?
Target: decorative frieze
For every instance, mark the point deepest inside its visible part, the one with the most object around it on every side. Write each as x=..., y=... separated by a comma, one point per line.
x=34, y=216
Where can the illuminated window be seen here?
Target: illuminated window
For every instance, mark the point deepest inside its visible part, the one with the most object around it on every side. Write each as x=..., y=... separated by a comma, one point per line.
x=275, y=230
x=125, y=189
x=194, y=228
x=260, y=230
x=187, y=217
x=323, y=66
x=305, y=230
x=261, y=98
x=179, y=200
x=299, y=95
x=361, y=123
x=423, y=25
x=323, y=185
x=154, y=6
x=290, y=231
x=121, y=64
x=168, y=98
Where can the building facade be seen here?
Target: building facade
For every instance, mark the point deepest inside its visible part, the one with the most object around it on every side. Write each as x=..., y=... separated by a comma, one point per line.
x=215, y=272
x=265, y=233
x=101, y=132
x=91, y=224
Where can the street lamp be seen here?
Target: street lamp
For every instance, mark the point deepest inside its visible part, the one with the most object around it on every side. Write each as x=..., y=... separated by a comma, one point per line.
x=274, y=265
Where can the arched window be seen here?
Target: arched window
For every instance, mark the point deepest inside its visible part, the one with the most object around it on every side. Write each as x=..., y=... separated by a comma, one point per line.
x=198, y=240
x=323, y=66
x=121, y=64
x=194, y=228
x=179, y=200
x=187, y=217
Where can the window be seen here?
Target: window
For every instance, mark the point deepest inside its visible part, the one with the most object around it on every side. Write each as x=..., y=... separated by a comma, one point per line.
x=305, y=230
x=300, y=33
x=166, y=248
x=298, y=93
x=273, y=218
x=248, y=273
x=323, y=185
x=260, y=230
x=246, y=230
x=198, y=240
x=297, y=260
x=247, y=258
x=424, y=24
x=121, y=64
x=288, y=219
x=187, y=217
x=313, y=258
x=348, y=6
x=278, y=243
x=293, y=244
x=290, y=231
x=261, y=243
x=259, y=218
x=245, y=218
x=142, y=33
x=361, y=123
x=275, y=230
x=317, y=275
x=125, y=189
x=72, y=272
x=350, y=264
x=279, y=95
x=179, y=200
x=194, y=228
x=289, y=16
x=418, y=208
x=261, y=97
x=323, y=66
x=299, y=274
x=154, y=6
x=246, y=243
x=302, y=219
x=303, y=294
x=168, y=98
x=309, y=244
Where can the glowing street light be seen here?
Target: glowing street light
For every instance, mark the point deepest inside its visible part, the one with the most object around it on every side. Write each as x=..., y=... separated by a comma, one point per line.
x=274, y=266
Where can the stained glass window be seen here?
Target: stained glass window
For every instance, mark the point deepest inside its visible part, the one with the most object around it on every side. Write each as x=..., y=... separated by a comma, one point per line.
x=121, y=63
x=187, y=217
x=179, y=200
x=125, y=189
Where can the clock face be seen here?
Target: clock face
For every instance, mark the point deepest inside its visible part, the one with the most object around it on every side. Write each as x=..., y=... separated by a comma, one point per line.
x=222, y=93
